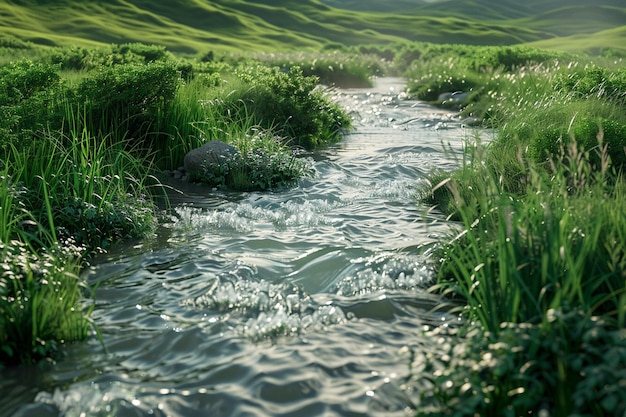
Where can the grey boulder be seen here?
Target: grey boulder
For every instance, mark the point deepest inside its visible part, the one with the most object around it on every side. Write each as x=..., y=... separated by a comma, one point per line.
x=211, y=154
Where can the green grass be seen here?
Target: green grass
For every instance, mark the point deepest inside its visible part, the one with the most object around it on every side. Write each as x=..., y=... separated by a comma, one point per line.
x=41, y=302
x=221, y=26
x=606, y=42
x=539, y=267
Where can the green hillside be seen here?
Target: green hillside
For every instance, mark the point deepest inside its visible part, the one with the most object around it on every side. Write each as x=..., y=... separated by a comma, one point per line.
x=193, y=26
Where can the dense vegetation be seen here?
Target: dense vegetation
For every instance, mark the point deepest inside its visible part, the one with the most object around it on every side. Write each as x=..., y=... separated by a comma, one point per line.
x=539, y=267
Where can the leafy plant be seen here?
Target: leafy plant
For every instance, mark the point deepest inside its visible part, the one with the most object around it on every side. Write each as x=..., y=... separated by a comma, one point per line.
x=289, y=103
x=262, y=163
x=76, y=58
x=125, y=100
x=568, y=364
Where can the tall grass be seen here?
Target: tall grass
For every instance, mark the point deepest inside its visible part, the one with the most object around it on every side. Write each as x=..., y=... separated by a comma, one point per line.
x=90, y=192
x=41, y=301
x=64, y=198
x=560, y=244
x=41, y=296
x=540, y=264
x=542, y=279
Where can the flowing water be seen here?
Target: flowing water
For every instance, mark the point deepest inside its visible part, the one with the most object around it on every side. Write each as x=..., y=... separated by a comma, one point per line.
x=307, y=301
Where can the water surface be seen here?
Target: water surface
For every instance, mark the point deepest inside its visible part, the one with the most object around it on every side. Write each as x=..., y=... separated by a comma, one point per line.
x=306, y=301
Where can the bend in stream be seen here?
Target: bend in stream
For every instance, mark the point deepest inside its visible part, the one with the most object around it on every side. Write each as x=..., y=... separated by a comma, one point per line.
x=306, y=301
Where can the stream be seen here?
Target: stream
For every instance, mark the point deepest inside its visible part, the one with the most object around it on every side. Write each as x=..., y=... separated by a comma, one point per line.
x=307, y=301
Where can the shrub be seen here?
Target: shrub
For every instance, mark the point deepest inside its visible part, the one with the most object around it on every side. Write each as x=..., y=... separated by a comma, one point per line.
x=125, y=100
x=27, y=93
x=592, y=135
x=24, y=79
x=569, y=364
x=77, y=58
x=11, y=42
x=593, y=81
x=290, y=103
x=332, y=68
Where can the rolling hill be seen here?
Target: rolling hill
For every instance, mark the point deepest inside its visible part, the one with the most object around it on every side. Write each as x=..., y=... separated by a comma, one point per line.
x=195, y=26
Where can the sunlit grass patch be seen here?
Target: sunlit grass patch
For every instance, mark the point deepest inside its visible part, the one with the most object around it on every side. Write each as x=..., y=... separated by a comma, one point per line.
x=81, y=188
x=541, y=275
x=336, y=68
x=41, y=301
x=264, y=162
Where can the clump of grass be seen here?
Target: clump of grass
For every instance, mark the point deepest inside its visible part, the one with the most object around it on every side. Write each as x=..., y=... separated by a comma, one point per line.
x=263, y=162
x=81, y=189
x=40, y=292
x=561, y=242
x=41, y=301
x=542, y=276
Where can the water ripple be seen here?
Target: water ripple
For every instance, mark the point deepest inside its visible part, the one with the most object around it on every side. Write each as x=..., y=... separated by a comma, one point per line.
x=306, y=301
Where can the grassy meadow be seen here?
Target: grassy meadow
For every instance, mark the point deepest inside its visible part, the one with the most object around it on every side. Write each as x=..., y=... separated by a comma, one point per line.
x=196, y=27
x=98, y=99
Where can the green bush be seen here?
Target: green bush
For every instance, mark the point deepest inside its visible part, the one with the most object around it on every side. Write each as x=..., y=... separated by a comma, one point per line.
x=593, y=81
x=595, y=134
x=444, y=79
x=25, y=79
x=600, y=138
x=332, y=68
x=510, y=58
x=570, y=364
x=28, y=96
x=291, y=104
x=13, y=43
x=86, y=59
x=125, y=100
